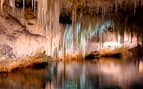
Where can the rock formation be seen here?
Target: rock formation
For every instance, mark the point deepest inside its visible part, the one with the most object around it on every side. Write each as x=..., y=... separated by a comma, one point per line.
x=32, y=27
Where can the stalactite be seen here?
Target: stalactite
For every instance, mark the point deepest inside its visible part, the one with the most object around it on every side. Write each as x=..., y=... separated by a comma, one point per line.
x=135, y=6
x=12, y=4
x=24, y=8
x=2, y=6
x=74, y=14
x=33, y=4
x=48, y=15
x=131, y=36
x=116, y=7
x=142, y=39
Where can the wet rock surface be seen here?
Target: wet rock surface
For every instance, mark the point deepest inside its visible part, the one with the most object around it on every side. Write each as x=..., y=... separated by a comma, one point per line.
x=13, y=34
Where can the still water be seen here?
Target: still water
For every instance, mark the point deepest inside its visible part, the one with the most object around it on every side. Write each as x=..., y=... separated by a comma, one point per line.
x=104, y=74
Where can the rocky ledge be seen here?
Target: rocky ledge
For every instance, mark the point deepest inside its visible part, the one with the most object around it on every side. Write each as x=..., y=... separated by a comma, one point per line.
x=8, y=65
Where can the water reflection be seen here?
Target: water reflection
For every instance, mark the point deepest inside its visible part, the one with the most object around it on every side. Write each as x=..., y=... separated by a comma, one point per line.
x=86, y=75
